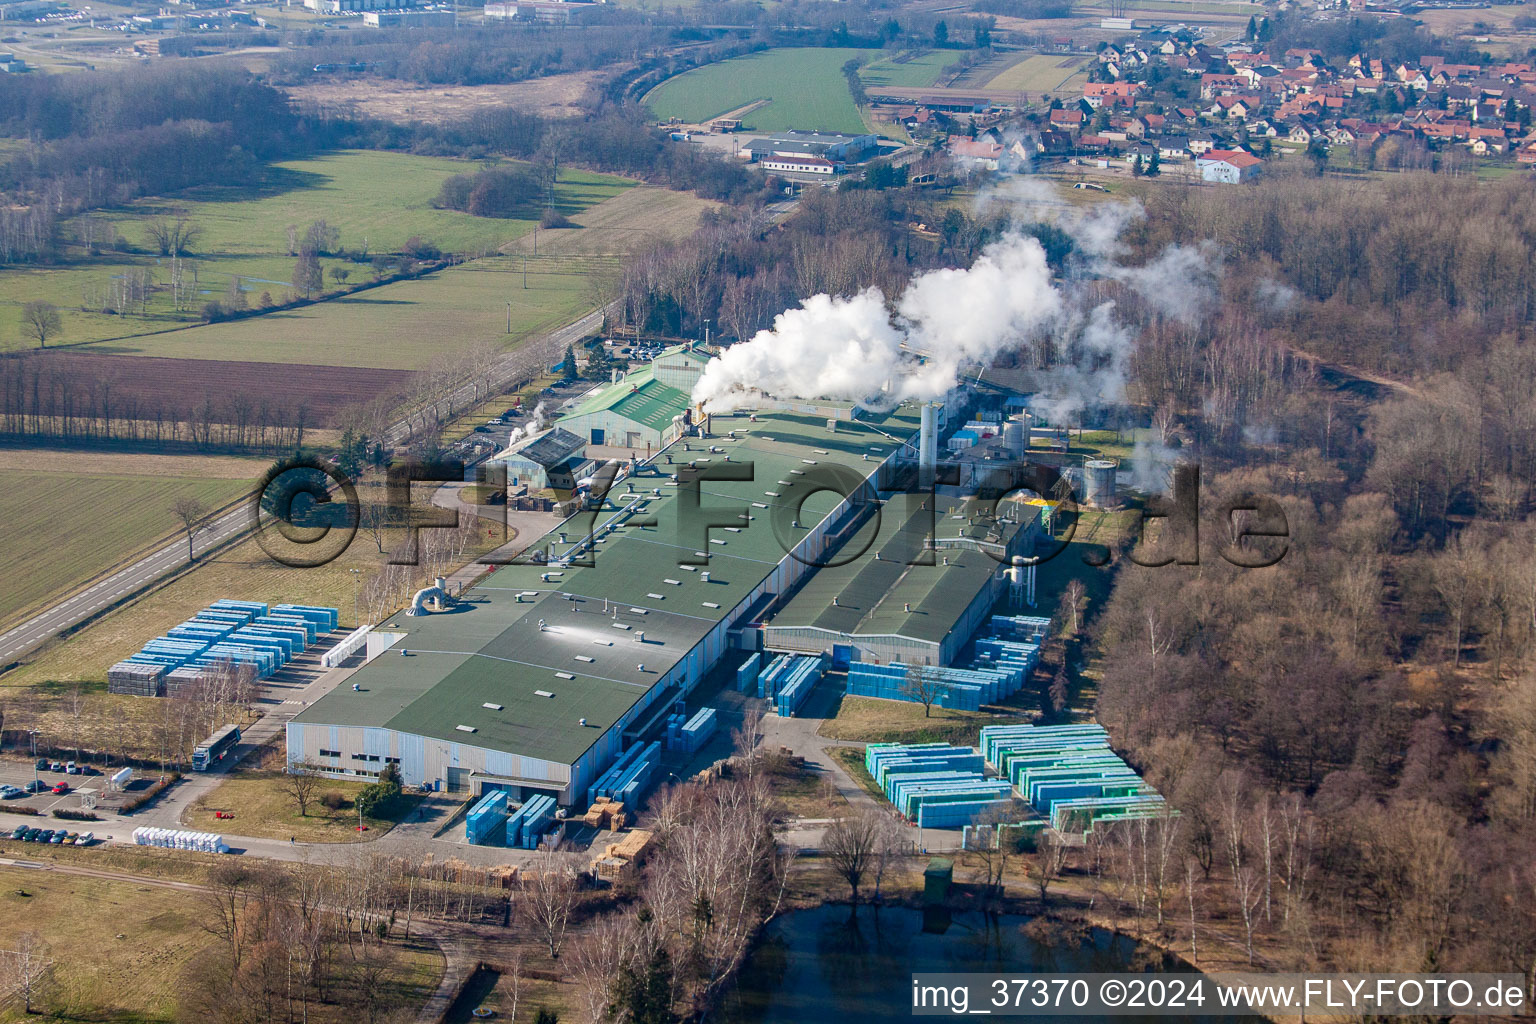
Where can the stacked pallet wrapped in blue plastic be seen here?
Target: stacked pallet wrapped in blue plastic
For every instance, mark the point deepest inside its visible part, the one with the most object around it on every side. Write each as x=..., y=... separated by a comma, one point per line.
x=673, y=740
x=796, y=682
x=960, y=689
x=772, y=676
x=688, y=734
x=698, y=729
x=1019, y=627
x=630, y=777
x=746, y=675
x=527, y=825
x=934, y=784
x=487, y=821
x=226, y=632
x=1070, y=774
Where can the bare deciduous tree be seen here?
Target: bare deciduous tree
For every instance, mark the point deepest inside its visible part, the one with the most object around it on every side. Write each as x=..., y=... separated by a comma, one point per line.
x=41, y=321
x=27, y=964
x=173, y=236
x=193, y=515
x=300, y=782
x=849, y=845
x=548, y=888
x=923, y=688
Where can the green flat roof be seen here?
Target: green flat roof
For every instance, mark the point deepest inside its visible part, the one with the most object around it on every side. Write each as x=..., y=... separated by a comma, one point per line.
x=491, y=649
x=871, y=595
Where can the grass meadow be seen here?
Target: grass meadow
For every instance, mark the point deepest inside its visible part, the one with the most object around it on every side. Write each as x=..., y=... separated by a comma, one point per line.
x=400, y=326
x=120, y=947
x=804, y=87
x=377, y=201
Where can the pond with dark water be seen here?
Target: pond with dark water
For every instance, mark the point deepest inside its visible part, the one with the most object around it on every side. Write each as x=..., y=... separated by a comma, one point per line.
x=828, y=966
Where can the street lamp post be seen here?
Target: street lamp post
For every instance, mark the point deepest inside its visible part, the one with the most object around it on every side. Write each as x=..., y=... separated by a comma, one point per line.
x=357, y=586
x=33, y=732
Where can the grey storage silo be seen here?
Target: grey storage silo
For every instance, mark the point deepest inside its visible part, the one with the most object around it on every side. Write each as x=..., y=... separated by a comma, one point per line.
x=1099, y=482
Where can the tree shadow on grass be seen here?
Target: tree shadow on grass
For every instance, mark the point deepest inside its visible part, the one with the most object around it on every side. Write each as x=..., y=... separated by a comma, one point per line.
x=269, y=182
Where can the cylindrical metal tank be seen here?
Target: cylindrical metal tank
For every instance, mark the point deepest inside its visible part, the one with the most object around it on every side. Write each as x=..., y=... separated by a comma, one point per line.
x=1099, y=482
x=1015, y=439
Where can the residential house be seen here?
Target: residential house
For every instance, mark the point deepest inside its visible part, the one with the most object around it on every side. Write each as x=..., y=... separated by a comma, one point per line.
x=1228, y=166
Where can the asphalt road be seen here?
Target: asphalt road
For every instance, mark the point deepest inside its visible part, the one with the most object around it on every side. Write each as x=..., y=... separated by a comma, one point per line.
x=107, y=591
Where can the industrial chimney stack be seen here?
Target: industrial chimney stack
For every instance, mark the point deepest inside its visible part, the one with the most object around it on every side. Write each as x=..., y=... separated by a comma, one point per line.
x=928, y=445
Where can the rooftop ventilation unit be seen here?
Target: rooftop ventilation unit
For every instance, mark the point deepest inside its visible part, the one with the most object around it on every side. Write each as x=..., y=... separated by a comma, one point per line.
x=542, y=693
x=492, y=707
x=465, y=728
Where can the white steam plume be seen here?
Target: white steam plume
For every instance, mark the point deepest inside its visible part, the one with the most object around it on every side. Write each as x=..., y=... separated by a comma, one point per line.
x=856, y=349
x=851, y=348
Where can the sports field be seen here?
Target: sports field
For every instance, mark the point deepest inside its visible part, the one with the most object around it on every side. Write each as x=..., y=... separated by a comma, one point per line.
x=907, y=70
x=67, y=526
x=376, y=200
x=1043, y=73
x=804, y=87
x=400, y=326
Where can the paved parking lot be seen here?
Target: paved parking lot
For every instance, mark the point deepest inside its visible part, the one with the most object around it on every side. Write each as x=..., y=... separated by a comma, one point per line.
x=19, y=773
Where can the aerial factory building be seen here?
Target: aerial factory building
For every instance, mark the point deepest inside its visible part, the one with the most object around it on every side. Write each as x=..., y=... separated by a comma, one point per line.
x=538, y=678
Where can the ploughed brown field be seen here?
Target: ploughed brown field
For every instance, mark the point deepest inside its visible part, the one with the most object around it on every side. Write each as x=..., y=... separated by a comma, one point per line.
x=150, y=382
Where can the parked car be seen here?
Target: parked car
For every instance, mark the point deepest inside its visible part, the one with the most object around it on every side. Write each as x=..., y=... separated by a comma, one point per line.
x=44, y=836
x=62, y=787
x=42, y=764
x=57, y=838
x=35, y=786
x=85, y=839
x=11, y=792
x=19, y=832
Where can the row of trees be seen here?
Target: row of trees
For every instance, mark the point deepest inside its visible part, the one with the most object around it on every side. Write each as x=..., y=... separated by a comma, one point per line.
x=53, y=397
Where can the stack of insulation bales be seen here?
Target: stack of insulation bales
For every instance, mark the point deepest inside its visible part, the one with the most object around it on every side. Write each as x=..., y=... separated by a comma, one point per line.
x=1070, y=774
x=487, y=821
x=528, y=824
x=138, y=679
x=796, y=684
x=936, y=785
x=768, y=678
x=225, y=633
x=325, y=619
x=956, y=688
x=787, y=669
x=630, y=777
x=698, y=729
x=180, y=839
x=746, y=675
x=1019, y=627
x=674, y=729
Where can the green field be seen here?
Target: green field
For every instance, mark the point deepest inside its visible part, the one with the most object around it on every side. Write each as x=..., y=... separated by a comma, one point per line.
x=400, y=326
x=804, y=87
x=377, y=200
x=906, y=70
x=1043, y=73
x=66, y=527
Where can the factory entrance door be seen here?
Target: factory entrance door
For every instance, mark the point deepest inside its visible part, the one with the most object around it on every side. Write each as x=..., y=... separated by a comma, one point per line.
x=458, y=780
